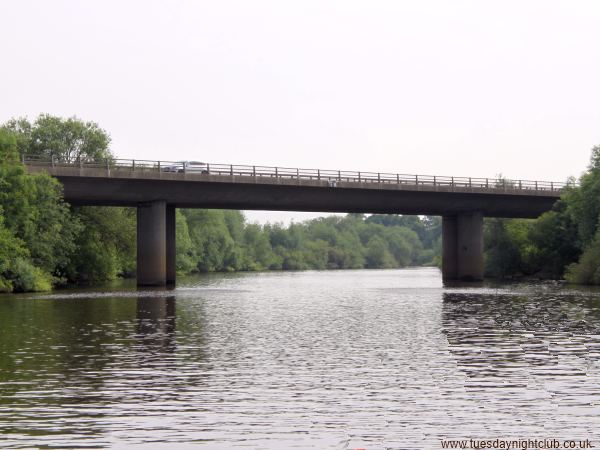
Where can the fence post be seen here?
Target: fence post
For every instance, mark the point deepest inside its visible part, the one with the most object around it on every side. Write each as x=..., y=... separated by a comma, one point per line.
x=276, y=173
x=133, y=165
x=158, y=166
x=470, y=185
x=339, y=175
x=536, y=188
x=253, y=171
x=231, y=169
x=378, y=177
x=359, y=177
x=452, y=181
x=52, y=157
x=298, y=173
x=398, y=178
x=520, y=184
x=434, y=181
x=552, y=186
x=318, y=174
x=486, y=183
x=417, y=180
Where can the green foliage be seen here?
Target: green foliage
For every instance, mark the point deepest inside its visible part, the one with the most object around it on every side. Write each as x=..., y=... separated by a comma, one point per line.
x=42, y=241
x=28, y=278
x=213, y=240
x=65, y=139
x=183, y=245
x=507, y=247
x=105, y=244
x=587, y=269
x=562, y=242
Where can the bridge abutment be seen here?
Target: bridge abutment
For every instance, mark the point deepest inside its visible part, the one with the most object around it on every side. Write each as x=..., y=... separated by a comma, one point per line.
x=462, y=247
x=155, y=243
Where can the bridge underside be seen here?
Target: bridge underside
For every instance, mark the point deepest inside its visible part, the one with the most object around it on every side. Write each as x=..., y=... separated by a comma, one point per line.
x=317, y=198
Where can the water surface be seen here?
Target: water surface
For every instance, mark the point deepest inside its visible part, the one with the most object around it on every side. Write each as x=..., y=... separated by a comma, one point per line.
x=345, y=359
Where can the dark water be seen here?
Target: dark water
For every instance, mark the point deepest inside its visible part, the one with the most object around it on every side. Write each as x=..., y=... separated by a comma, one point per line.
x=349, y=359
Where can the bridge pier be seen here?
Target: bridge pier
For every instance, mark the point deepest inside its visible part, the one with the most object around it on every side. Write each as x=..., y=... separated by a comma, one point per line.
x=462, y=247
x=155, y=243
x=171, y=257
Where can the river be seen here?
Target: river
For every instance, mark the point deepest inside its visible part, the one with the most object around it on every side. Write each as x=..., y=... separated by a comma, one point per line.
x=335, y=359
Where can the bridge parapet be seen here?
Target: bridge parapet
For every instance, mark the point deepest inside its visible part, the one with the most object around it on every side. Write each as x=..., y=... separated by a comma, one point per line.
x=176, y=170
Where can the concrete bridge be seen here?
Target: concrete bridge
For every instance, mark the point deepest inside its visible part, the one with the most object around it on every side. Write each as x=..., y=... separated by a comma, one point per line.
x=156, y=188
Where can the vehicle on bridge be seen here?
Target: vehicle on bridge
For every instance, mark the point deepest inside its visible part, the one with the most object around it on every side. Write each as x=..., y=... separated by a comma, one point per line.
x=187, y=166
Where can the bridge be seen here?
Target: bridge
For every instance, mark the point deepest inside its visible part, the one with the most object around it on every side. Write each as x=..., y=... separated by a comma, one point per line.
x=156, y=188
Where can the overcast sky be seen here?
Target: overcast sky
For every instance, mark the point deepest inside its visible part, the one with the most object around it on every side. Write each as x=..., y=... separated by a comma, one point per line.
x=471, y=88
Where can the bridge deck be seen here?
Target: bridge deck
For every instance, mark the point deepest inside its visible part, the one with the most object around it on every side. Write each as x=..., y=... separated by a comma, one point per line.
x=130, y=182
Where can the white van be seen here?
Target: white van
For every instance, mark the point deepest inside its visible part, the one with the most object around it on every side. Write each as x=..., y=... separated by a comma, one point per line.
x=187, y=166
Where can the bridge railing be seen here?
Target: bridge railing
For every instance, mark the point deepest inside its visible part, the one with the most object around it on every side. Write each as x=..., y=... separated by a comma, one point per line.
x=332, y=176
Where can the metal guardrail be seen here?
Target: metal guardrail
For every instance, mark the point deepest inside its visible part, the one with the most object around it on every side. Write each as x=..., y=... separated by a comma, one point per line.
x=332, y=176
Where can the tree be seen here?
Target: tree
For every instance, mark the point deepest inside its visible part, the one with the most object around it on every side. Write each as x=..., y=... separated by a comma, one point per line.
x=66, y=140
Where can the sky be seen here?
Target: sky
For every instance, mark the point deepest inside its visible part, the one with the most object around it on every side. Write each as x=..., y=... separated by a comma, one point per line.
x=464, y=88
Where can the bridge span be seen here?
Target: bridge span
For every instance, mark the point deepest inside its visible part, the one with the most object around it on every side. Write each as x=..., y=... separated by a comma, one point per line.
x=156, y=190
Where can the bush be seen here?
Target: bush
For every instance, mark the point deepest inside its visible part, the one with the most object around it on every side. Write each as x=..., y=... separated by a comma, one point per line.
x=28, y=278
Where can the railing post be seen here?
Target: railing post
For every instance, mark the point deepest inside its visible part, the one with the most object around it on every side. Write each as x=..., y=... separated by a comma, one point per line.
x=298, y=173
x=551, y=186
x=208, y=168
x=276, y=173
x=253, y=171
x=520, y=184
x=378, y=177
x=452, y=181
x=231, y=169
x=487, y=183
x=339, y=175
x=417, y=180
x=470, y=185
x=158, y=166
x=52, y=158
x=434, y=181
x=504, y=183
x=318, y=174
x=133, y=165
x=80, y=162
x=536, y=188
x=398, y=178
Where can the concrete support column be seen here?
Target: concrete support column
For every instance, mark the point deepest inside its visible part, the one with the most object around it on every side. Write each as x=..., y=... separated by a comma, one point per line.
x=151, y=244
x=462, y=247
x=449, y=250
x=171, y=267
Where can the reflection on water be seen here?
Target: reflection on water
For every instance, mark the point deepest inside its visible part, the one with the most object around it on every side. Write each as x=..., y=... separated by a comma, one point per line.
x=373, y=359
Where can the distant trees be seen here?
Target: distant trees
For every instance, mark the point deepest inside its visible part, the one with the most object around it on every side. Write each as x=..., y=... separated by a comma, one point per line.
x=223, y=241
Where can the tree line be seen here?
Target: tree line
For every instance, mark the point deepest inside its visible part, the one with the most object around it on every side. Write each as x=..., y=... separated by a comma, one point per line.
x=45, y=242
